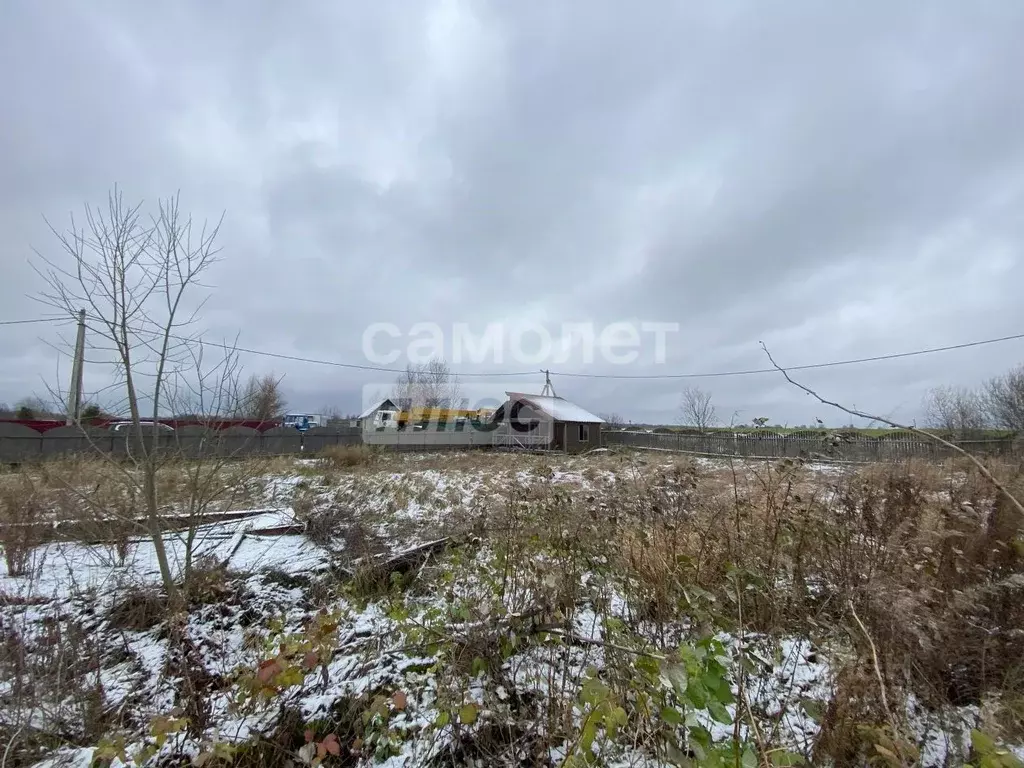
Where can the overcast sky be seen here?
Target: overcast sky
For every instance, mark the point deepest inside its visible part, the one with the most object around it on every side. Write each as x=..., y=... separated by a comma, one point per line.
x=838, y=180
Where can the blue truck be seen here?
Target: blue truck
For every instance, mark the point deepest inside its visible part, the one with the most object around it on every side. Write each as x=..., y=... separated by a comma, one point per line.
x=304, y=421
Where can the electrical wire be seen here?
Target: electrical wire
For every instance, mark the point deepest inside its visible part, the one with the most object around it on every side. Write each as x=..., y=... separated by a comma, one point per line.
x=37, y=320
x=316, y=361
x=566, y=374
x=716, y=374
x=807, y=367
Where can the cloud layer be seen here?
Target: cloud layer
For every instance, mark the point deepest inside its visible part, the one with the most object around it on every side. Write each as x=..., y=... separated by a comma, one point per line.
x=838, y=180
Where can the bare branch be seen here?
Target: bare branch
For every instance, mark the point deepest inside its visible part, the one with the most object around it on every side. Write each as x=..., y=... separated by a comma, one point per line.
x=861, y=414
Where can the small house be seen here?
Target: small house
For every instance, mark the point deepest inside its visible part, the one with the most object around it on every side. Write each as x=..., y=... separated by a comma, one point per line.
x=551, y=422
x=382, y=415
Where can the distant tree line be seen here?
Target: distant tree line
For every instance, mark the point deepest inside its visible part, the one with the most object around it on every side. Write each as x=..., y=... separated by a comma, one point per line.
x=33, y=407
x=259, y=398
x=998, y=403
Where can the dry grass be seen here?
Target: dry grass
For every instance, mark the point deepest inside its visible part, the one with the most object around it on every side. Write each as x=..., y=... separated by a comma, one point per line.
x=933, y=565
x=21, y=508
x=53, y=693
x=931, y=562
x=90, y=493
x=914, y=572
x=348, y=456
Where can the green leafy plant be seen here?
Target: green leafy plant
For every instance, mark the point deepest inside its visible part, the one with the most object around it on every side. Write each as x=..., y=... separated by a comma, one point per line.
x=601, y=714
x=986, y=753
x=297, y=655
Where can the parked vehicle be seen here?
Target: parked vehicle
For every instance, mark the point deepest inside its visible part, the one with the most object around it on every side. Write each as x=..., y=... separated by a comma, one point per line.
x=304, y=421
x=125, y=426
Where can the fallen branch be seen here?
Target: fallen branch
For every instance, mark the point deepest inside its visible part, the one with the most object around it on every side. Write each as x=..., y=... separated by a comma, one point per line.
x=928, y=435
x=411, y=556
x=404, y=560
x=574, y=639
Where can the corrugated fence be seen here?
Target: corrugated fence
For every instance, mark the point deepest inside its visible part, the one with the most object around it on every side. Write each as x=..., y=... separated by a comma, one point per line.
x=20, y=443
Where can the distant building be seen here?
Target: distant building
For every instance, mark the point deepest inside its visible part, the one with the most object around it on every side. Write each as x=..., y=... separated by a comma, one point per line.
x=382, y=415
x=546, y=421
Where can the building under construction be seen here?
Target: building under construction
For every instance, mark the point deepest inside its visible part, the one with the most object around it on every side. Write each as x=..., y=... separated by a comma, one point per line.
x=543, y=422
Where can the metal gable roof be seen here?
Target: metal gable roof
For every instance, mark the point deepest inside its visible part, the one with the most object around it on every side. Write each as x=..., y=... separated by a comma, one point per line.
x=370, y=411
x=558, y=408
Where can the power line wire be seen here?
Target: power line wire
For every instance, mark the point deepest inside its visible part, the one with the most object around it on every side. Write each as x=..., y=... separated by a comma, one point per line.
x=37, y=320
x=653, y=376
x=316, y=361
x=810, y=366
x=353, y=366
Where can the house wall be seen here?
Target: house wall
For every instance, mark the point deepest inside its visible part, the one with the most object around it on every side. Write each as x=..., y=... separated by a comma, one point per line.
x=573, y=444
x=369, y=425
x=558, y=443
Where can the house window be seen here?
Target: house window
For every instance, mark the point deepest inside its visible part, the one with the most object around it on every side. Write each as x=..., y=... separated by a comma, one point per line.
x=584, y=433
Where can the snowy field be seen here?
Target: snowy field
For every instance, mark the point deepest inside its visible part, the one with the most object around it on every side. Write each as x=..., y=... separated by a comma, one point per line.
x=620, y=610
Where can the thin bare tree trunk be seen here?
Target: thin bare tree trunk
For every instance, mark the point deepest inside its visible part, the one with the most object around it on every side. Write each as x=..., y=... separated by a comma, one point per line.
x=133, y=278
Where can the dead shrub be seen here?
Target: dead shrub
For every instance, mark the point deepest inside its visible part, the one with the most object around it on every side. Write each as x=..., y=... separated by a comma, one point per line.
x=303, y=503
x=372, y=580
x=347, y=456
x=138, y=609
x=52, y=693
x=934, y=563
x=337, y=527
x=22, y=521
x=208, y=582
x=928, y=553
x=657, y=572
x=375, y=574
x=958, y=646
x=852, y=715
x=323, y=524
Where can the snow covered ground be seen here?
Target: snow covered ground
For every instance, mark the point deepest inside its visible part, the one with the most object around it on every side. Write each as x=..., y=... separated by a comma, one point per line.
x=393, y=653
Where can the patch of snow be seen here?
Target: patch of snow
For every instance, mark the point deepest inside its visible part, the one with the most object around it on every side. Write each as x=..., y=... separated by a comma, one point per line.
x=78, y=757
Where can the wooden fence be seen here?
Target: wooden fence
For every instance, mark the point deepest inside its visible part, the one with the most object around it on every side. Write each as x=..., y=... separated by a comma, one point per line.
x=895, y=446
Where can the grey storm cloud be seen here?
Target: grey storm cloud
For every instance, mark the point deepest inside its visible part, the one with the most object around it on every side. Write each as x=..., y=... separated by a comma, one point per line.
x=837, y=180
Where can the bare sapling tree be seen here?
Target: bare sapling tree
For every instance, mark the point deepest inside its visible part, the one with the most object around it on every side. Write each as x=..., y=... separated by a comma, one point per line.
x=137, y=277
x=262, y=398
x=1003, y=399
x=696, y=409
x=430, y=385
x=955, y=410
x=612, y=419
x=405, y=391
x=440, y=387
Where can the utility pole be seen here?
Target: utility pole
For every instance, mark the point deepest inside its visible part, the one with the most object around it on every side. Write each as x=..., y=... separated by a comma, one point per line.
x=75, y=394
x=549, y=388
